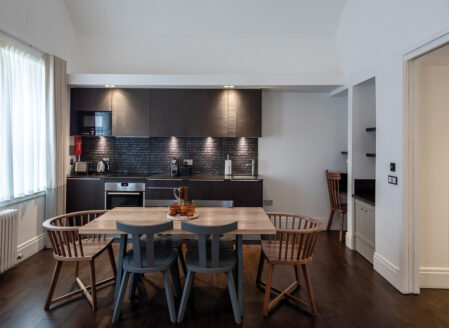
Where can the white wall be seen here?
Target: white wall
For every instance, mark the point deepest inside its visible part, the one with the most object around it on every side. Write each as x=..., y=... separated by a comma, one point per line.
x=433, y=175
x=303, y=134
x=364, y=116
x=372, y=36
x=44, y=24
x=211, y=55
x=31, y=235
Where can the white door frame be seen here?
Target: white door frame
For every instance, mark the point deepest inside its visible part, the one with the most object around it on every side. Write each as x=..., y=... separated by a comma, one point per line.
x=410, y=219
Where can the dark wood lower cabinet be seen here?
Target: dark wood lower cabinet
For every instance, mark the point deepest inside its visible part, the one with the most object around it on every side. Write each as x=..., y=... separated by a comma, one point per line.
x=88, y=193
x=84, y=194
x=162, y=193
x=210, y=190
x=243, y=193
x=247, y=193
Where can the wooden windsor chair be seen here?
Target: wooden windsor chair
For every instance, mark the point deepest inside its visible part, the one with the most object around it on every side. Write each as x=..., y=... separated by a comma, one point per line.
x=293, y=244
x=333, y=186
x=69, y=246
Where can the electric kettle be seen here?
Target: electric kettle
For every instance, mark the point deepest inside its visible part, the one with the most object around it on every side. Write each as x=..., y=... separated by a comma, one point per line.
x=102, y=166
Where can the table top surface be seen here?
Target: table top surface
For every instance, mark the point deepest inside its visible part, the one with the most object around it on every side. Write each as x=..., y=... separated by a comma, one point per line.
x=251, y=220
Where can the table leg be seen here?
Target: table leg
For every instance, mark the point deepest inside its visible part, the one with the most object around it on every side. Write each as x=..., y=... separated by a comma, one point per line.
x=121, y=254
x=239, y=239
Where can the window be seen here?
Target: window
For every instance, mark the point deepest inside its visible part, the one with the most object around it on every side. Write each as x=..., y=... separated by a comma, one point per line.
x=22, y=123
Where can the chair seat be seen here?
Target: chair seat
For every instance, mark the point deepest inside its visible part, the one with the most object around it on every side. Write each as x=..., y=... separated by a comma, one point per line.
x=163, y=259
x=344, y=208
x=226, y=263
x=271, y=251
x=91, y=248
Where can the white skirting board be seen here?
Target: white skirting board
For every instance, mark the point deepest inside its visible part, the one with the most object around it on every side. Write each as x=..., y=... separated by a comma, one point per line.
x=31, y=247
x=388, y=271
x=434, y=277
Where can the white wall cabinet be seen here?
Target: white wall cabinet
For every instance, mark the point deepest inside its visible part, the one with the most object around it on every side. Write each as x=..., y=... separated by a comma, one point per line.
x=364, y=215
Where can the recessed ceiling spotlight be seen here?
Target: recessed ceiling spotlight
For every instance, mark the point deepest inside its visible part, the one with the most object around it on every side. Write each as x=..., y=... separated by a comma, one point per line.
x=228, y=86
x=109, y=85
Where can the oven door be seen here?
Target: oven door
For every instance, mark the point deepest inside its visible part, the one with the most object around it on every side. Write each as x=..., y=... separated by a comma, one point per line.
x=124, y=199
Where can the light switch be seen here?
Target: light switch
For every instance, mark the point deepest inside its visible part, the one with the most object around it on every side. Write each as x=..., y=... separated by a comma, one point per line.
x=393, y=167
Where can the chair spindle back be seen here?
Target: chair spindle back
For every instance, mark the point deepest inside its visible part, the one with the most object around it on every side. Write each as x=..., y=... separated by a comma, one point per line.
x=333, y=185
x=63, y=233
x=295, y=235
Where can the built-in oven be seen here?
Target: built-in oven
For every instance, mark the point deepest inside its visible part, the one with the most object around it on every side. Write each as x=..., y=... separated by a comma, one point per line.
x=124, y=194
x=95, y=123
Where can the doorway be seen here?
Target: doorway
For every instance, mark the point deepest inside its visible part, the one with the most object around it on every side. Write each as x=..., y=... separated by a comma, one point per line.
x=427, y=192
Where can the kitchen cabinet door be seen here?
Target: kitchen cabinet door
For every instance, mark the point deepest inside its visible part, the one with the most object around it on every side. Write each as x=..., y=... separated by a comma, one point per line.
x=166, y=194
x=207, y=113
x=131, y=112
x=91, y=99
x=84, y=194
x=244, y=113
x=247, y=193
x=364, y=229
x=168, y=112
x=209, y=190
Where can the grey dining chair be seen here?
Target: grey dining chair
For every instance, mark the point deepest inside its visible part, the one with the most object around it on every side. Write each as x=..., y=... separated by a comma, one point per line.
x=167, y=241
x=145, y=258
x=210, y=258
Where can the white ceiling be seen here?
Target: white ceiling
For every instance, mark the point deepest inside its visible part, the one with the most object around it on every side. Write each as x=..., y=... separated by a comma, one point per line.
x=206, y=18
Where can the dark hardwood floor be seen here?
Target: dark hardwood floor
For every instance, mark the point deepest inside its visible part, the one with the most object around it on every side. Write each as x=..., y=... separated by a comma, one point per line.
x=348, y=293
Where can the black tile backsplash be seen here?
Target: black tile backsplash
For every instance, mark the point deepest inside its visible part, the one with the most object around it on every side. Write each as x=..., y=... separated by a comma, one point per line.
x=152, y=155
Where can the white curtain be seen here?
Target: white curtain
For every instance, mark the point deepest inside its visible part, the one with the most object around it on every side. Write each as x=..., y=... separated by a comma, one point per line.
x=58, y=116
x=22, y=123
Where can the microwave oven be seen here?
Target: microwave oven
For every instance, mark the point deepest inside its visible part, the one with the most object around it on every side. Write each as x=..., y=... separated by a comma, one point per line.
x=95, y=123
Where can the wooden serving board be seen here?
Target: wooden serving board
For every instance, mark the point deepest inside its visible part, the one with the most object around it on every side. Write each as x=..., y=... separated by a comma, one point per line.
x=182, y=217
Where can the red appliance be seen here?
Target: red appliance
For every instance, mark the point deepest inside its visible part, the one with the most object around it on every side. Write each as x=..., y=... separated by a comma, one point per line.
x=78, y=146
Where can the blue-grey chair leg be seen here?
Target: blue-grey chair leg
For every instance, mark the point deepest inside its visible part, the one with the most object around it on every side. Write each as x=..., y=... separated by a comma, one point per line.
x=119, y=298
x=132, y=285
x=233, y=296
x=175, y=277
x=185, y=295
x=121, y=254
x=169, y=294
x=183, y=262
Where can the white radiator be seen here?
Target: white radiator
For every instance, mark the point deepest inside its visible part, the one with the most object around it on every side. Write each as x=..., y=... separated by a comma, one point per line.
x=8, y=239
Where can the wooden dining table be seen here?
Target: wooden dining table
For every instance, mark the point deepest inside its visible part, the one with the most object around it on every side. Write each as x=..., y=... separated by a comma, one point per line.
x=250, y=221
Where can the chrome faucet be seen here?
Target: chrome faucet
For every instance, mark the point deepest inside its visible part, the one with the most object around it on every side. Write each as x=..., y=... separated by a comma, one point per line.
x=253, y=167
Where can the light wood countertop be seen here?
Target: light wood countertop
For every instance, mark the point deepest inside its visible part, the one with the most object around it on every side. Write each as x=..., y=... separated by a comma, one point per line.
x=251, y=220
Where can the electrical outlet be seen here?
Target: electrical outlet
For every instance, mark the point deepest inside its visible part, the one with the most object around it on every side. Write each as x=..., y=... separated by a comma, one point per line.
x=187, y=162
x=267, y=202
x=392, y=180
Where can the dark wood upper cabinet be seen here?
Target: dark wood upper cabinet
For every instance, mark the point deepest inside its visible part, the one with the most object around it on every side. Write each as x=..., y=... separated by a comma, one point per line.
x=206, y=113
x=244, y=113
x=131, y=112
x=91, y=99
x=174, y=112
x=168, y=112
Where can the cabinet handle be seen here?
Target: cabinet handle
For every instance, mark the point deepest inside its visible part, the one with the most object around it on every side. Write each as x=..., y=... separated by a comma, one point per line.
x=123, y=193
